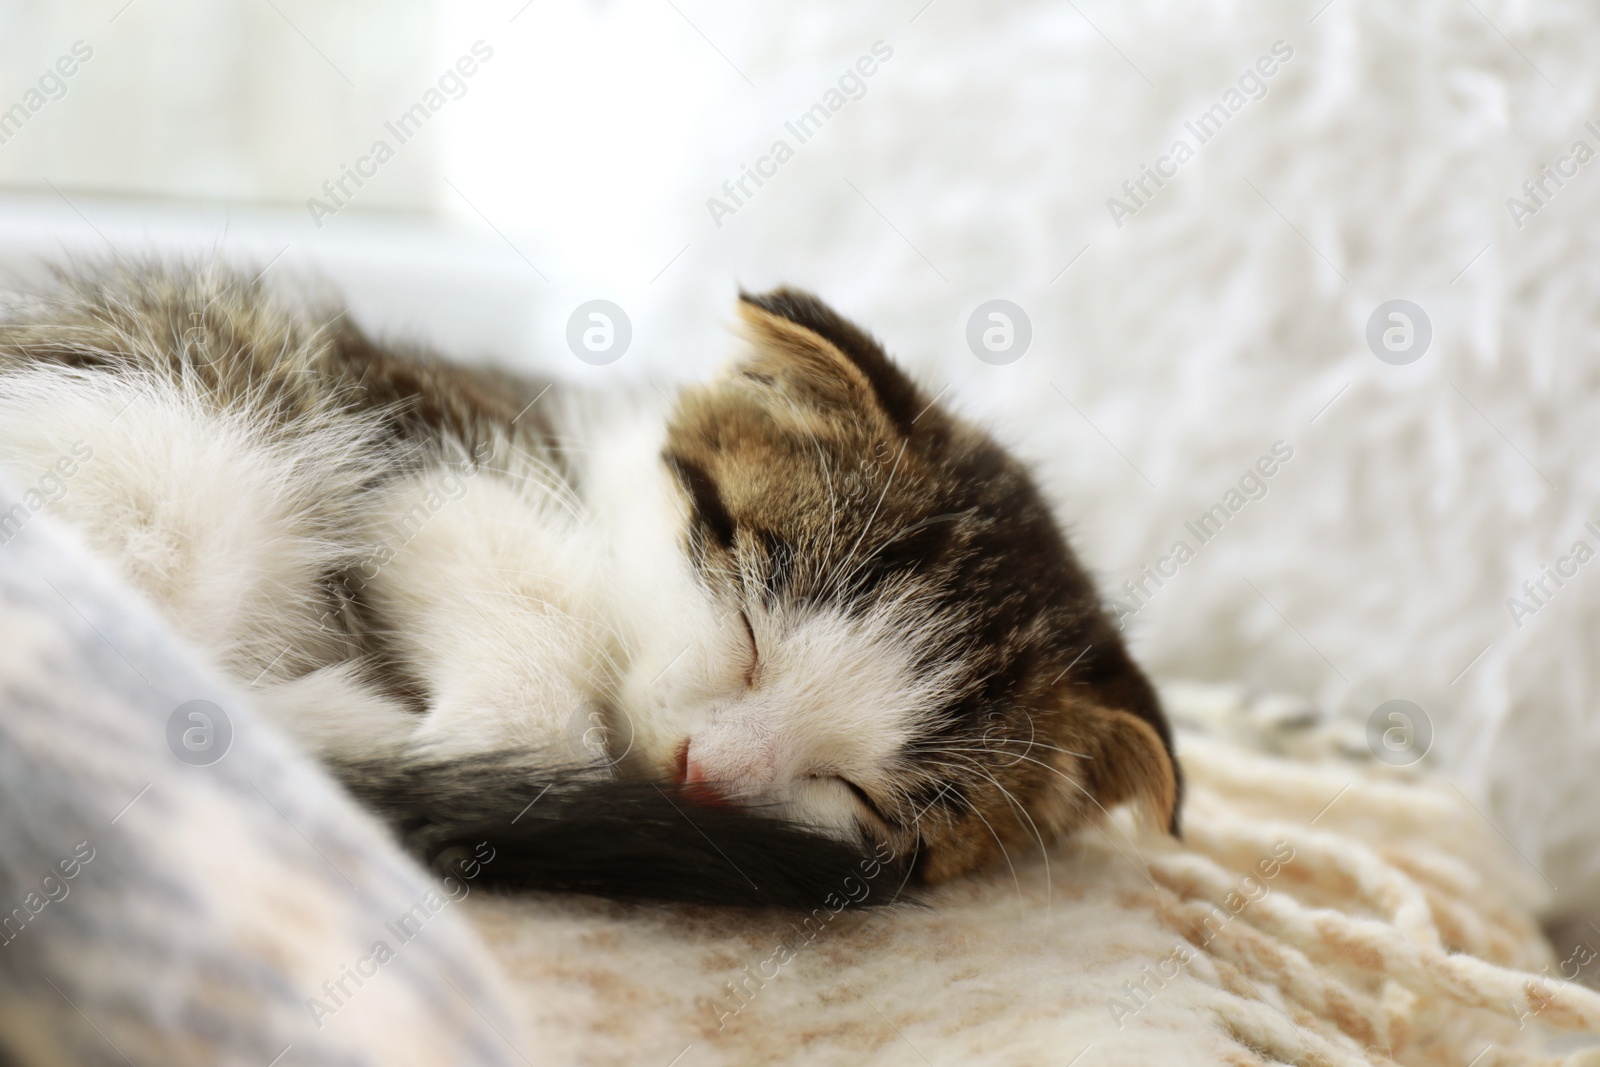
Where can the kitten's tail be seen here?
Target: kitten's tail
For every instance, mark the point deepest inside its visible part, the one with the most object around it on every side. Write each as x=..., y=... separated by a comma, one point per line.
x=509, y=821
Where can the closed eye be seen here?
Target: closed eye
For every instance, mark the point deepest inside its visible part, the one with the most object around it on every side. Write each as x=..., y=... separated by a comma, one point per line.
x=866, y=800
x=755, y=652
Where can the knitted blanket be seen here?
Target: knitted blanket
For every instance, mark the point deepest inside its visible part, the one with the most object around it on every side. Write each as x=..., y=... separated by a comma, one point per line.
x=1314, y=914
x=176, y=909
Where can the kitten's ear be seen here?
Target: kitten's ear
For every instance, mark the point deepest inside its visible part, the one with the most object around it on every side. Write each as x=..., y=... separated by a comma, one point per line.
x=1132, y=763
x=805, y=345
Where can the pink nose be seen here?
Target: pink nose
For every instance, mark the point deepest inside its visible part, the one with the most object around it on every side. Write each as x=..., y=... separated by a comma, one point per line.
x=692, y=771
x=699, y=786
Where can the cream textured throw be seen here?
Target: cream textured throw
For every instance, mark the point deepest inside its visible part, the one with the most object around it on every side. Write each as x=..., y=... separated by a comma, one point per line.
x=1317, y=914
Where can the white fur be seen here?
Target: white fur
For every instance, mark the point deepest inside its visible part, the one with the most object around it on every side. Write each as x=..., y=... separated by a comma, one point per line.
x=527, y=610
x=203, y=511
x=492, y=603
x=532, y=617
x=834, y=697
x=332, y=711
x=684, y=649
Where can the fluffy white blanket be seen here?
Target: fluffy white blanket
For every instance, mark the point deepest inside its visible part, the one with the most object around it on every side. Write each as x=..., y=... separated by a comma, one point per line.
x=1230, y=312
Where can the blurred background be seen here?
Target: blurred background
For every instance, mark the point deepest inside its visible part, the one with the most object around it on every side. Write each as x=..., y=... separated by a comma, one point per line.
x=471, y=173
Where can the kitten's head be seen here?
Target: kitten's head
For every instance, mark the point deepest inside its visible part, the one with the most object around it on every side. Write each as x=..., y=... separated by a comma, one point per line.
x=891, y=638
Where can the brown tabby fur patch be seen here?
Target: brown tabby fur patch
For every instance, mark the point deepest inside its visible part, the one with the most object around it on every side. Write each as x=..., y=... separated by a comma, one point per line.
x=818, y=468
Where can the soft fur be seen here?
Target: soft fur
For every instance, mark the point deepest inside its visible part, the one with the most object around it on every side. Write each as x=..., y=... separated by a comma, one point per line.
x=803, y=589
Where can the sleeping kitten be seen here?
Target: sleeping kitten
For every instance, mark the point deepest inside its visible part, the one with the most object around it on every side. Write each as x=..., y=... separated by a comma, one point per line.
x=800, y=613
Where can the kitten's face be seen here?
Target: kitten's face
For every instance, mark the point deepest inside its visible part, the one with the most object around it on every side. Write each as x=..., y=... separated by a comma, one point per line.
x=887, y=635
